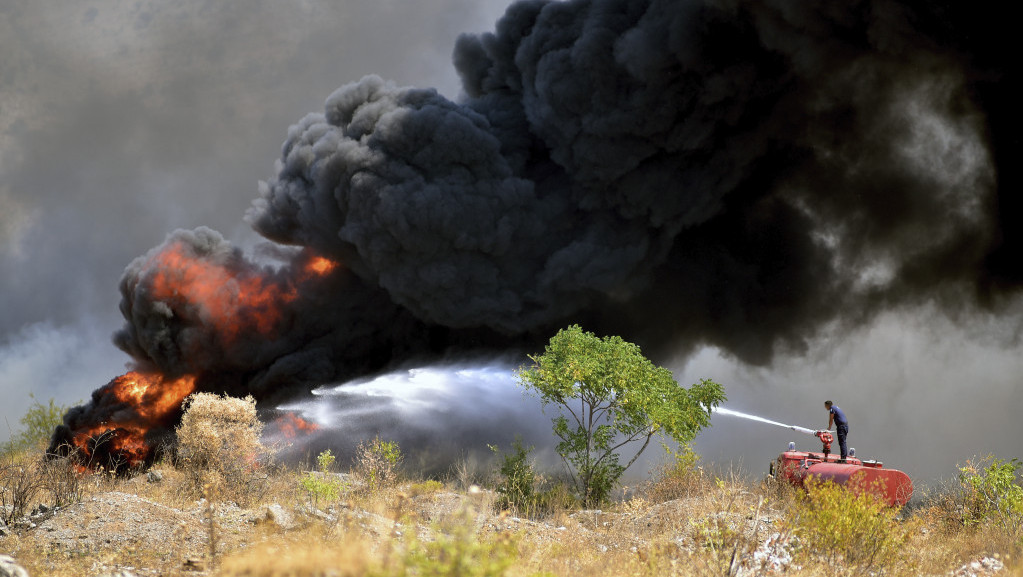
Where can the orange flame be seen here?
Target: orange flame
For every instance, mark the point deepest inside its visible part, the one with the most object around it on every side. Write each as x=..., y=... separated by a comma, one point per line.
x=228, y=301
x=320, y=266
x=231, y=301
x=291, y=425
x=150, y=400
x=230, y=298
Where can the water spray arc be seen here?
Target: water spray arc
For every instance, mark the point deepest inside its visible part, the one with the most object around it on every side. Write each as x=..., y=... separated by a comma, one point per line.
x=796, y=428
x=825, y=436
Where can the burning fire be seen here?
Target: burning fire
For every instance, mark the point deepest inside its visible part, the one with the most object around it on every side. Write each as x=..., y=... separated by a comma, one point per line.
x=152, y=396
x=231, y=300
x=291, y=426
x=224, y=295
x=145, y=400
x=320, y=266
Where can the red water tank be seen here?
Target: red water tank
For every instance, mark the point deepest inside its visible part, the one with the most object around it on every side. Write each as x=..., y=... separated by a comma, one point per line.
x=890, y=485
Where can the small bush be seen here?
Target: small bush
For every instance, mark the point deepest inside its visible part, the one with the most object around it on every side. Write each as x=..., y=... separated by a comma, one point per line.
x=523, y=491
x=219, y=447
x=465, y=472
x=991, y=492
x=716, y=520
x=323, y=485
x=555, y=496
x=456, y=550
x=516, y=488
x=377, y=462
x=427, y=487
x=63, y=481
x=836, y=525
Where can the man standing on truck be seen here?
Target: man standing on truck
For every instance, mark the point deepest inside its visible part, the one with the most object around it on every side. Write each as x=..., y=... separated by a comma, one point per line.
x=837, y=417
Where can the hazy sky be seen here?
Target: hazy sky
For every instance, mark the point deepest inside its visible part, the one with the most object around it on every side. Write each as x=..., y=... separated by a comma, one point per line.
x=123, y=121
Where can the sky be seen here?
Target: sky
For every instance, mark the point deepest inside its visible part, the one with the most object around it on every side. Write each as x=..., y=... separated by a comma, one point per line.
x=121, y=122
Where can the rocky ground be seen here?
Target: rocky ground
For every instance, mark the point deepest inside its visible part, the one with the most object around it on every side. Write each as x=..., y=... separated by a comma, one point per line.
x=110, y=527
x=120, y=533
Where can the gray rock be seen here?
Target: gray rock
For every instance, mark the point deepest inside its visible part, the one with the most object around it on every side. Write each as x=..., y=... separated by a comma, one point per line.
x=10, y=568
x=278, y=516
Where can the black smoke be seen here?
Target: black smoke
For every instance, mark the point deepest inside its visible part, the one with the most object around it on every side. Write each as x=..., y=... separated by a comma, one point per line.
x=725, y=173
x=682, y=173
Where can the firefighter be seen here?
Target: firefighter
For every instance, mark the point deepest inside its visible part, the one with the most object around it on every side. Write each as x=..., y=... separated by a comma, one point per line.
x=837, y=417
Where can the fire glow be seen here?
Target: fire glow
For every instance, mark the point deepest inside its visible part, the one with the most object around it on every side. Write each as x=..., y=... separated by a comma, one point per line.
x=145, y=400
x=133, y=414
x=229, y=301
x=292, y=426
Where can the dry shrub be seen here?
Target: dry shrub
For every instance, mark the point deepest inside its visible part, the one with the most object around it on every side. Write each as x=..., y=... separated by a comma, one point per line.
x=938, y=547
x=719, y=522
x=961, y=523
x=427, y=487
x=679, y=478
x=219, y=448
x=453, y=547
x=30, y=480
x=466, y=472
x=839, y=527
x=377, y=463
x=20, y=483
x=63, y=481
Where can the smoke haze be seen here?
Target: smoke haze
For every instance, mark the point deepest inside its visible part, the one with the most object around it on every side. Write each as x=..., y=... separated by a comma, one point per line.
x=120, y=123
x=762, y=192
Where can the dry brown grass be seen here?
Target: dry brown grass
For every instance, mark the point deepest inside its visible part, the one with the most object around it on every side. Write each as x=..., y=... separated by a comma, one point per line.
x=677, y=478
x=220, y=450
x=685, y=521
x=703, y=533
x=303, y=555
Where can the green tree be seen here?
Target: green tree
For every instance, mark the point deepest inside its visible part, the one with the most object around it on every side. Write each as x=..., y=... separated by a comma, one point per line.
x=37, y=424
x=609, y=395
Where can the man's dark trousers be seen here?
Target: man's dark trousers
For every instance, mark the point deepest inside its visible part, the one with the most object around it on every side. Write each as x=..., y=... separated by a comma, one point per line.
x=843, y=432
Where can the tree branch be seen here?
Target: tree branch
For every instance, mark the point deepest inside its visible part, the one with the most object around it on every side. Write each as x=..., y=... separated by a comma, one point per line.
x=649, y=435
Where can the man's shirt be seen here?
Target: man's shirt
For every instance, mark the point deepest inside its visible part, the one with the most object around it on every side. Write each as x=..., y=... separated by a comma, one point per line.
x=839, y=416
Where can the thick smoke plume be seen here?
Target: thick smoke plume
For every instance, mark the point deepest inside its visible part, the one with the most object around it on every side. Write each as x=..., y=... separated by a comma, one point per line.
x=733, y=175
x=726, y=173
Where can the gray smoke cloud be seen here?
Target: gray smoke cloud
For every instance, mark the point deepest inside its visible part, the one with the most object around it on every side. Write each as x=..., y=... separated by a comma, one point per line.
x=923, y=393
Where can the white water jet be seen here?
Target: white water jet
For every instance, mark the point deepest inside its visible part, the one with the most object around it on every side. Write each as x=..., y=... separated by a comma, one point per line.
x=724, y=411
